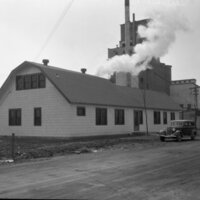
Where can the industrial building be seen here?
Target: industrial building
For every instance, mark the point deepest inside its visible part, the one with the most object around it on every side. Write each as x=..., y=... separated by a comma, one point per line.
x=185, y=93
x=158, y=78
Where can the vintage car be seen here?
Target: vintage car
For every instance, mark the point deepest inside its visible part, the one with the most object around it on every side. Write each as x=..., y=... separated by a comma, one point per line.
x=179, y=129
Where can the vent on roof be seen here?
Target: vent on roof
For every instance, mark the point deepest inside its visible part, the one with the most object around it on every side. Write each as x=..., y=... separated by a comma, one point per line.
x=83, y=70
x=45, y=62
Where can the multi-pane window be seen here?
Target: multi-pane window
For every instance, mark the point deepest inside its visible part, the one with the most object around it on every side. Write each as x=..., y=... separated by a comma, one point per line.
x=41, y=82
x=189, y=106
x=19, y=82
x=37, y=116
x=30, y=81
x=119, y=117
x=173, y=116
x=164, y=117
x=80, y=111
x=34, y=81
x=27, y=82
x=101, y=116
x=15, y=117
x=156, y=117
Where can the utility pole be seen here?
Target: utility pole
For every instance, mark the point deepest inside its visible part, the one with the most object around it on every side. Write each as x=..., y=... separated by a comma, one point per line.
x=144, y=99
x=195, y=90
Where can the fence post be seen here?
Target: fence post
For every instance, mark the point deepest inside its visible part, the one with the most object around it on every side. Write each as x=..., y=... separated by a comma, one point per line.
x=13, y=146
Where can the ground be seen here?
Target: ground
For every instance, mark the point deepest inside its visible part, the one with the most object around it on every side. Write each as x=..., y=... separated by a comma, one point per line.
x=146, y=171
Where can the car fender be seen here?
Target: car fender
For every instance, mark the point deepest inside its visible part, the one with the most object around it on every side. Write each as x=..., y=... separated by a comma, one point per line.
x=177, y=133
x=194, y=132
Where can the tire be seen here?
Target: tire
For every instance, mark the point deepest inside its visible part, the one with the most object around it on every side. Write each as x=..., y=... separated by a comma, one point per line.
x=193, y=136
x=178, y=137
x=162, y=139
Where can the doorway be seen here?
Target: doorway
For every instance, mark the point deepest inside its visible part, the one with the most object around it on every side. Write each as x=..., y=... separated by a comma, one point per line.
x=136, y=120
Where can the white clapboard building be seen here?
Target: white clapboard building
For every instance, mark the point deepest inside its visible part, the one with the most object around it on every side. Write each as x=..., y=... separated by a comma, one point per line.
x=41, y=100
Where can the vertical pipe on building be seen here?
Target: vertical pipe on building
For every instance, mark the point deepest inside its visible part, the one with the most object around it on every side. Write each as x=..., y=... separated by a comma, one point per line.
x=127, y=26
x=145, y=106
x=133, y=31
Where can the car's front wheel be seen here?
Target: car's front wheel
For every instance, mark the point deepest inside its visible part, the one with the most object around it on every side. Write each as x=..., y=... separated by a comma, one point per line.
x=178, y=137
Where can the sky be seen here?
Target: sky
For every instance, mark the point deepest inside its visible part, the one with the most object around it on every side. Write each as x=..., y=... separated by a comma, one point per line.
x=75, y=34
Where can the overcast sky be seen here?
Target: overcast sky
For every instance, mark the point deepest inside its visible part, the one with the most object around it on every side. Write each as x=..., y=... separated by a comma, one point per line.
x=76, y=34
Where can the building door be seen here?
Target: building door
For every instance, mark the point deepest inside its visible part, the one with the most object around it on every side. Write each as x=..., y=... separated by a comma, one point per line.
x=136, y=120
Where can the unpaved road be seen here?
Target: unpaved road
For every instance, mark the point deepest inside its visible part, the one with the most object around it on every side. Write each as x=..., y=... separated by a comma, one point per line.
x=167, y=172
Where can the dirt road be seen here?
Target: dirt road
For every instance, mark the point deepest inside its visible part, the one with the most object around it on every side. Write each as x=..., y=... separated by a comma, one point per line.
x=168, y=171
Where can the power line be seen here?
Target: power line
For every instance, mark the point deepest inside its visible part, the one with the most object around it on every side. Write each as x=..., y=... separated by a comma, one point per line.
x=63, y=14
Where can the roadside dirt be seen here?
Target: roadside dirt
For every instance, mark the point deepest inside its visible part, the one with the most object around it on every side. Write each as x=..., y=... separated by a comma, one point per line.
x=27, y=148
x=142, y=171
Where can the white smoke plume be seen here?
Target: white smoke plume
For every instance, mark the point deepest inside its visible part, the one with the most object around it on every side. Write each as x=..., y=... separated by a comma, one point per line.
x=159, y=35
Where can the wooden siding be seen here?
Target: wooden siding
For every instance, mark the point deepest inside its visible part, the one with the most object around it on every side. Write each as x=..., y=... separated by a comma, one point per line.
x=59, y=118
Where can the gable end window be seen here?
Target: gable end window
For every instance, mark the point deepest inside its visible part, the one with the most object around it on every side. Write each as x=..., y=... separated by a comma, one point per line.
x=14, y=117
x=157, y=117
x=19, y=82
x=27, y=82
x=34, y=81
x=119, y=117
x=37, y=116
x=30, y=81
x=101, y=116
x=80, y=111
x=42, y=83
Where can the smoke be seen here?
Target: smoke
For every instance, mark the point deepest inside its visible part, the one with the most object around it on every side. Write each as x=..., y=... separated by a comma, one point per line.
x=159, y=35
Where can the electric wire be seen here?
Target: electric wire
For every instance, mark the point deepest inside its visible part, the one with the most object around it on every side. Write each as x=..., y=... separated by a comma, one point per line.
x=60, y=19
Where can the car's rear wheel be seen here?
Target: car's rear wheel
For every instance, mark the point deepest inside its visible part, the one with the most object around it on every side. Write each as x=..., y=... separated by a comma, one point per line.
x=162, y=139
x=193, y=136
x=178, y=137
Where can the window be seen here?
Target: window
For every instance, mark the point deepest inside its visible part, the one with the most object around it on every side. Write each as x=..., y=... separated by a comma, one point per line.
x=156, y=117
x=164, y=117
x=101, y=116
x=42, y=82
x=19, y=83
x=141, y=80
x=189, y=106
x=37, y=116
x=173, y=116
x=15, y=117
x=30, y=81
x=119, y=117
x=34, y=81
x=27, y=82
x=80, y=111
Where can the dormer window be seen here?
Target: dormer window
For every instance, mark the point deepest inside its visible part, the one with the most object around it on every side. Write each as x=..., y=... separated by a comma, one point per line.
x=30, y=81
x=19, y=83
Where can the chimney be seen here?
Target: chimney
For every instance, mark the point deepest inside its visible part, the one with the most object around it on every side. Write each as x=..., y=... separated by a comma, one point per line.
x=127, y=26
x=45, y=62
x=83, y=70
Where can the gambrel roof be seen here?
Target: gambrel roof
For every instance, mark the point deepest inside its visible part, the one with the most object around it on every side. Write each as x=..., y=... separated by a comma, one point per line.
x=79, y=88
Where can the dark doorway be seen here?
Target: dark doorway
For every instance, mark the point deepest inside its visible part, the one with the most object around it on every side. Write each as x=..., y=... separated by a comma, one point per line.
x=136, y=120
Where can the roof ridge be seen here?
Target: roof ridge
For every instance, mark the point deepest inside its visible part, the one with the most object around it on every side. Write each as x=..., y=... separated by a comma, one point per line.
x=65, y=70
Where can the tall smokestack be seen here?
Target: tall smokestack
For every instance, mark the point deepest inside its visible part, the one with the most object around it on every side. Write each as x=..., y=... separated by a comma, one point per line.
x=127, y=26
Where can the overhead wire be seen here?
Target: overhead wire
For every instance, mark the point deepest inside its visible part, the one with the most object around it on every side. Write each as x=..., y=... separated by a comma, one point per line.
x=63, y=14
